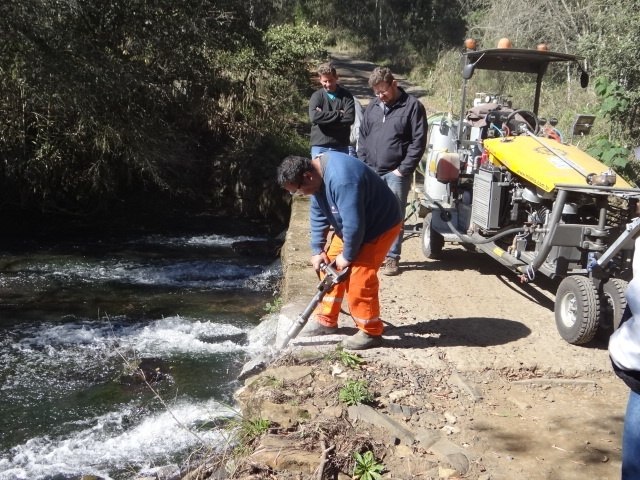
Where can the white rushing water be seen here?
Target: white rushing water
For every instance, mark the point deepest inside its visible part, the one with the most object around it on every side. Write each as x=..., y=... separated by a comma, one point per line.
x=114, y=440
x=61, y=370
x=105, y=442
x=211, y=274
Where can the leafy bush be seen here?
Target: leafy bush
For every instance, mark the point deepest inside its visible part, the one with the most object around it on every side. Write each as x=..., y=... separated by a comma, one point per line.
x=610, y=153
x=611, y=48
x=290, y=45
x=108, y=101
x=274, y=306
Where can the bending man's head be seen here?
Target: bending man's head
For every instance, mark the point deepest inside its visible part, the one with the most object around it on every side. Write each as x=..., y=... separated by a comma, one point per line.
x=294, y=173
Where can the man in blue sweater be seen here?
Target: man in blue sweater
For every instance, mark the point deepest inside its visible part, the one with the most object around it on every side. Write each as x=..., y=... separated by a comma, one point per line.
x=393, y=137
x=350, y=197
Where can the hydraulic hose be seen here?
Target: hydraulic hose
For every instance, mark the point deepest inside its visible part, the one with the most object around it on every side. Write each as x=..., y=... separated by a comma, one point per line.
x=531, y=269
x=446, y=217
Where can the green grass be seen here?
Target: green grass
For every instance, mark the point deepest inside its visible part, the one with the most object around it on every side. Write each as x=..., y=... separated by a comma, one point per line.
x=355, y=392
x=348, y=359
x=251, y=428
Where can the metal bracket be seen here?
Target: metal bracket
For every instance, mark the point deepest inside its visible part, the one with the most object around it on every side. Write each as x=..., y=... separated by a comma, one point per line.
x=631, y=232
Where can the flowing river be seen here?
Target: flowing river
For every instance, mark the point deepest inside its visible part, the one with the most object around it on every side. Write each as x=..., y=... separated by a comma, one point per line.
x=76, y=318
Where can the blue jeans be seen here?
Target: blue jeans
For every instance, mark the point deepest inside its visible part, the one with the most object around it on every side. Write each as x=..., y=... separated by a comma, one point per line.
x=631, y=439
x=400, y=187
x=318, y=149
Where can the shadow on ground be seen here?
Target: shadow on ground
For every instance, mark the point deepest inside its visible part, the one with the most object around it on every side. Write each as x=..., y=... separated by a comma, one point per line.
x=452, y=332
x=441, y=332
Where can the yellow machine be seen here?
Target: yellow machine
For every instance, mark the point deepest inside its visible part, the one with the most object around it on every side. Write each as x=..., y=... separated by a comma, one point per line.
x=544, y=162
x=503, y=181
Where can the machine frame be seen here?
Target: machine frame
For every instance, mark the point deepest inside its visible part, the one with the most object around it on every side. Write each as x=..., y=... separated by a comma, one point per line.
x=504, y=182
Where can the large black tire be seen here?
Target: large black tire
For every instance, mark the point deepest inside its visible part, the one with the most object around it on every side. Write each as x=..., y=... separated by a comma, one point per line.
x=432, y=241
x=577, y=309
x=612, y=302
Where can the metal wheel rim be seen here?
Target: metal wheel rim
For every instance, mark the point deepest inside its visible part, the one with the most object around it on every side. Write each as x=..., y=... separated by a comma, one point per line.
x=426, y=240
x=609, y=306
x=568, y=310
x=426, y=233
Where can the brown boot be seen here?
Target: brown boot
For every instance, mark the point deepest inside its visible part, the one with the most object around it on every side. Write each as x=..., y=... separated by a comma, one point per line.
x=361, y=341
x=315, y=329
x=390, y=266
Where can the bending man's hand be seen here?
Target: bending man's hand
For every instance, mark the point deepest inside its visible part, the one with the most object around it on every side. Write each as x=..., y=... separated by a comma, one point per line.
x=341, y=262
x=316, y=260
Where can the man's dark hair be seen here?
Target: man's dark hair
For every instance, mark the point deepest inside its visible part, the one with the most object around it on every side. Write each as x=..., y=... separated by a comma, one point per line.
x=292, y=168
x=379, y=75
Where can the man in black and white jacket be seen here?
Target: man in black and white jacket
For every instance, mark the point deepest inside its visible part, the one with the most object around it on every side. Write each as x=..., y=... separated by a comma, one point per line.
x=624, y=350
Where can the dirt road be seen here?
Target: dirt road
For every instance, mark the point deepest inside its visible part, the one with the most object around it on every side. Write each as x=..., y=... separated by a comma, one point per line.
x=548, y=409
x=530, y=405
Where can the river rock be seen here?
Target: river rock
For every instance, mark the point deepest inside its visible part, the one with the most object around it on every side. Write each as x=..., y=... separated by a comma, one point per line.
x=284, y=454
x=151, y=370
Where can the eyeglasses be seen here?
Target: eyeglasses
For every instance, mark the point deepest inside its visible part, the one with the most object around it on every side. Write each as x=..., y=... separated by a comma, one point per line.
x=297, y=190
x=382, y=92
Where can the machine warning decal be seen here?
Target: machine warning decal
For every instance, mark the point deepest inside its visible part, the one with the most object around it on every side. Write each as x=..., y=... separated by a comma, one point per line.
x=559, y=163
x=554, y=159
x=547, y=151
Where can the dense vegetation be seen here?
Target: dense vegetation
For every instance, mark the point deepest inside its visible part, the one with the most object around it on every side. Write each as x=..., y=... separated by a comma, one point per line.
x=140, y=104
x=119, y=106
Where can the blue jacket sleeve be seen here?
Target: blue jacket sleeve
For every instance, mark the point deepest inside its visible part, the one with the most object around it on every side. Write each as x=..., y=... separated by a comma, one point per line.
x=350, y=202
x=319, y=227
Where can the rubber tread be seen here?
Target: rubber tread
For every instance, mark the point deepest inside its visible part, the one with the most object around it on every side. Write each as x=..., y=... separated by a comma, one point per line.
x=588, y=313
